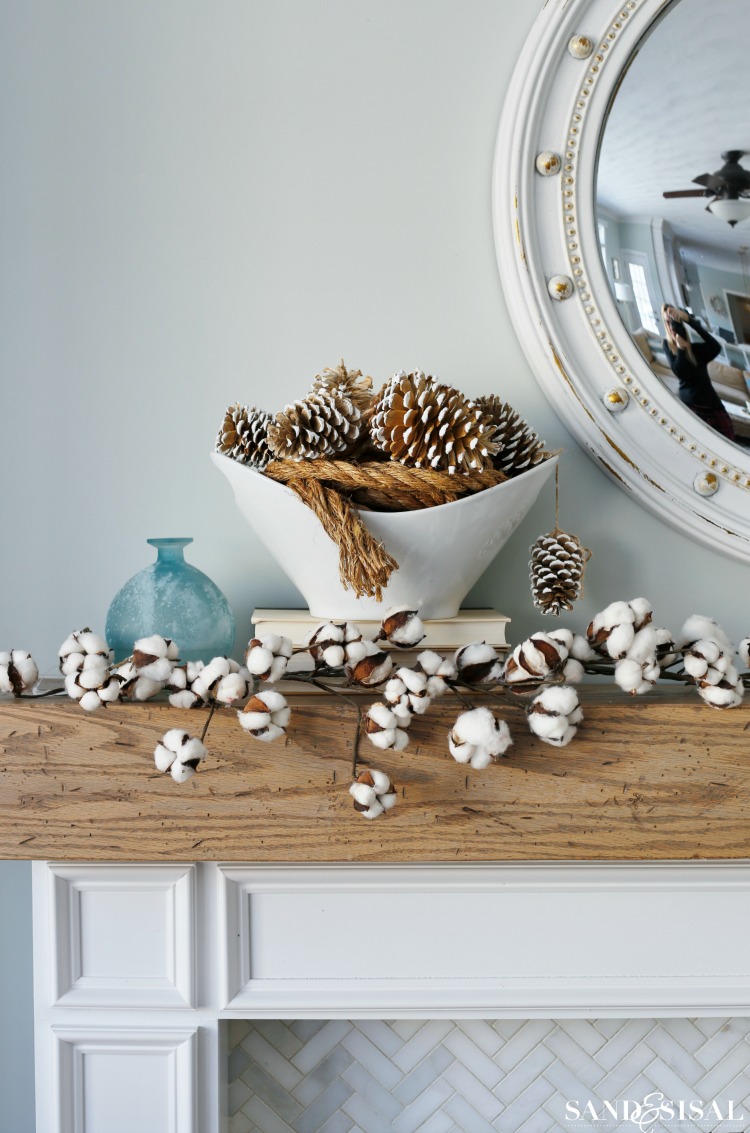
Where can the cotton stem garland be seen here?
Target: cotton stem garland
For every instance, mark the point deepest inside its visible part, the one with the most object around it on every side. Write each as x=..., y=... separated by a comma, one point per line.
x=536, y=678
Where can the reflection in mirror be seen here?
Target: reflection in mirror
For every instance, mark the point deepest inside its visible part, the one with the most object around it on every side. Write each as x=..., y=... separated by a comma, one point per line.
x=673, y=207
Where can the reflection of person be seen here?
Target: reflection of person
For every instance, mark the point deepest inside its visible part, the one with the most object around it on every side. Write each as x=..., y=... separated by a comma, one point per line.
x=689, y=362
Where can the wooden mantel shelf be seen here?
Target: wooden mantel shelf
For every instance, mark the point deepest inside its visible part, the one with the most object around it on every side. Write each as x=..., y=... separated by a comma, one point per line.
x=655, y=777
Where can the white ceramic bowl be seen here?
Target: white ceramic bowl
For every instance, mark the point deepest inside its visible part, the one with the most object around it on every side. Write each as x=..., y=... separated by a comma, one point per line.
x=441, y=551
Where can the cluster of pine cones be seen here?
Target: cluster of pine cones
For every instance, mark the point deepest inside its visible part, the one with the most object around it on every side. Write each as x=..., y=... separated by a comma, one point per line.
x=413, y=419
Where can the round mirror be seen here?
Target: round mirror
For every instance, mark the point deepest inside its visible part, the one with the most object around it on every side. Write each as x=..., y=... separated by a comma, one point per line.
x=612, y=106
x=675, y=230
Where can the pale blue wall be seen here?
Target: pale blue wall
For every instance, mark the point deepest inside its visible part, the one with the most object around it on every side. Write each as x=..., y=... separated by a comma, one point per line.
x=204, y=202
x=16, y=1013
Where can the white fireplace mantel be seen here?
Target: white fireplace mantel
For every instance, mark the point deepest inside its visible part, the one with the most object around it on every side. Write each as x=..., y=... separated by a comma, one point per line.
x=136, y=966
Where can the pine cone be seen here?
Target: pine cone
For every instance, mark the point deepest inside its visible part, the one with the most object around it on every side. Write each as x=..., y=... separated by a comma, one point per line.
x=519, y=448
x=350, y=383
x=325, y=423
x=557, y=565
x=243, y=435
x=424, y=424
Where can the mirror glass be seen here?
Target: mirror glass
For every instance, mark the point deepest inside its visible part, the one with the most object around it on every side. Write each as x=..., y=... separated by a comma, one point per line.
x=679, y=114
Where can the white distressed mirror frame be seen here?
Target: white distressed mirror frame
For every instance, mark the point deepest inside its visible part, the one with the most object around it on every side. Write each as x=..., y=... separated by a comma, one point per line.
x=546, y=237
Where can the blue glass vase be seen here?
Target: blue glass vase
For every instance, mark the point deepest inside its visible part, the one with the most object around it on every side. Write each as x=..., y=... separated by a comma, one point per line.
x=176, y=600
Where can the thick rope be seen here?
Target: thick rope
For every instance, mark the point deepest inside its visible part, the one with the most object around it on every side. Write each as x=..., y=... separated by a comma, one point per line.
x=400, y=487
x=365, y=566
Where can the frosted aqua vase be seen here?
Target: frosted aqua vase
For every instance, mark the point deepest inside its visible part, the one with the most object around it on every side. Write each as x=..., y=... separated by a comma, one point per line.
x=176, y=600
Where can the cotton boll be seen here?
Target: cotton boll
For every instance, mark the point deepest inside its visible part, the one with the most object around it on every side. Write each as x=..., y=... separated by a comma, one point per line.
x=476, y=726
x=154, y=646
x=254, y=721
x=25, y=666
x=72, y=663
x=355, y=651
x=144, y=689
x=93, y=676
x=259, y=660
x=644, y=644
x=381, y=715
x=400, y=740
x=695, y=664
x=628, y=674
x=270, y=733
x=92, y=643
x=580, y=649
x=436, y=686
x=333, y=656
x=73, y=689
x=181, y=772
x=178, y=679
x=620, y=640
x=615, y=613
x=274, y=701
x=352, y=633
x=415, y=682
x=402, y=627
x=394, y=690
x=565, y=738
x=744, y=652
x=373, y=811
x=193, y=750
x=665, y=647
x=163, y=757
x=546, y=726
x=230, y=689
x=699, y=627
x=374, y=668
x=383, y=739
x=402, y=712
x=110, y=691
x=214, y=671
x=563, y=637
x=328, y=632
x=185, y=698
x=158, y=670
x=461, y=751
x=558, y=698
x=90, y=701
x=480, y=759
x=478, y=663
x=380, y=781
x=642, y=612
x=429, y=662
x=18, y=672
x=373, y=793
x=154, y=657
x=721, y=695
x=573, y=671
x=363, y=793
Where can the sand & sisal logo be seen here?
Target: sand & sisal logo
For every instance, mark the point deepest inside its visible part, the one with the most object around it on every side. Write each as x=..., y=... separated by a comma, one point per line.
x=643, y=1115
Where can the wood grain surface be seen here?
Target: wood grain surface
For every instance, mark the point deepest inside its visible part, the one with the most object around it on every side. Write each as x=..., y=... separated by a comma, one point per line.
x=653, y=777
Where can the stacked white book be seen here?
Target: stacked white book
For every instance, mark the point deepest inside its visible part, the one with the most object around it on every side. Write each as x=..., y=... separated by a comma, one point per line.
x=444, y=635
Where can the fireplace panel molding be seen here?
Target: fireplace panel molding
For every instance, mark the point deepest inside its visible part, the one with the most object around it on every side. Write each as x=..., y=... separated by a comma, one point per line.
x=511, y=941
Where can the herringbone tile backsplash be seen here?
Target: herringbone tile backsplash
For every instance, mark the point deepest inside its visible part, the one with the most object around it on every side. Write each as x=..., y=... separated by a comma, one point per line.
x=479, y=1077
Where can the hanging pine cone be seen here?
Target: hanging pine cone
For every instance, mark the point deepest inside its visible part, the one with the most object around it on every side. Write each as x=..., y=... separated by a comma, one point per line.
x=243, y=435
x=518, y=446
x=424, y=424
x=557, y=565
x=325, y=423
x=350, y=383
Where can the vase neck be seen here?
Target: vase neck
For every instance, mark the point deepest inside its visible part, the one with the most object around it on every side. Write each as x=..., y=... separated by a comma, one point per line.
x=170, y=550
